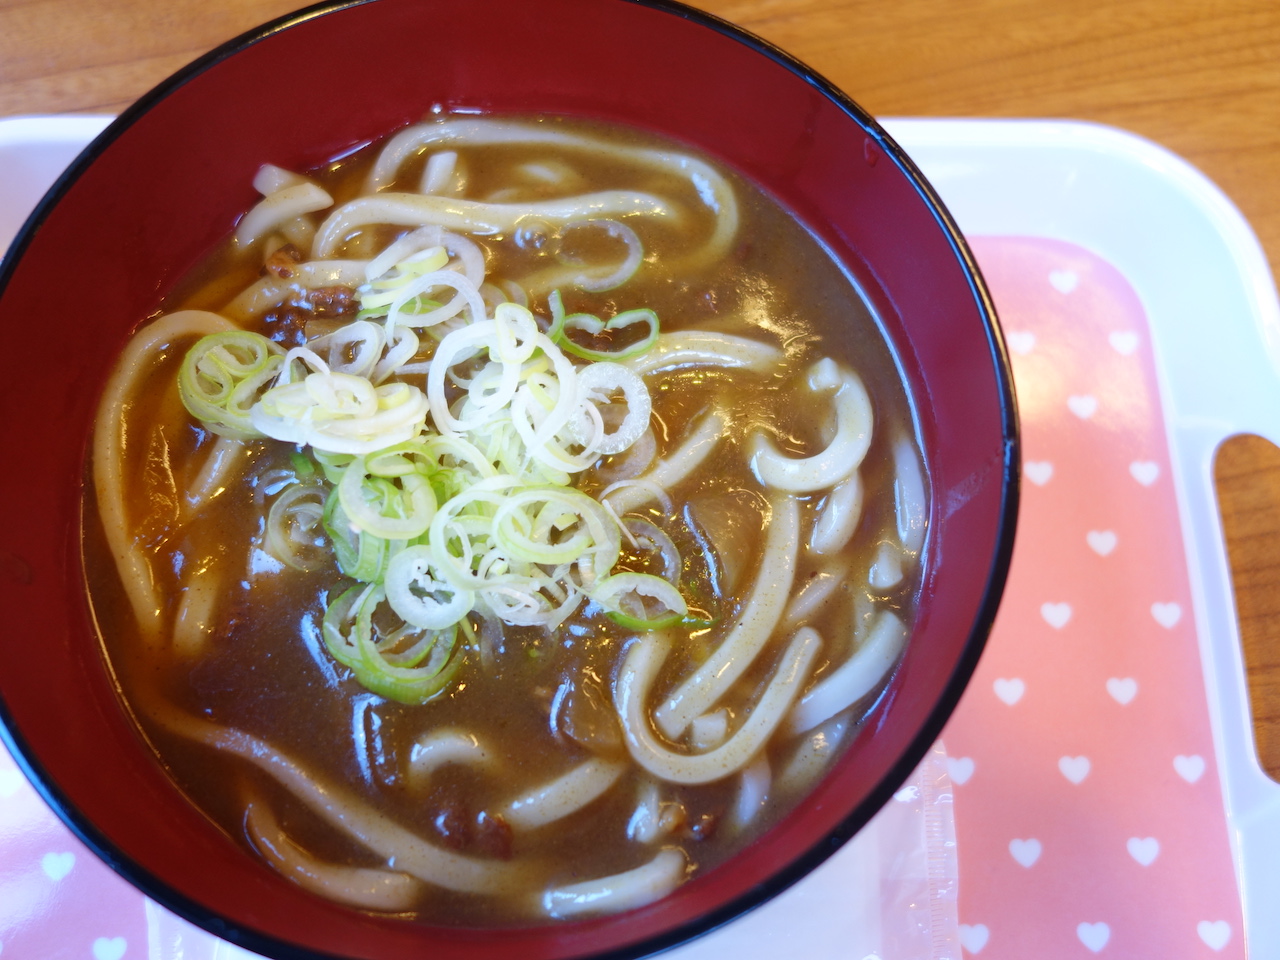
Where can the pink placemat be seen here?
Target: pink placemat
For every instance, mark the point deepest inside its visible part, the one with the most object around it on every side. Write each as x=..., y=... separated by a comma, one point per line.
x=1089, y=813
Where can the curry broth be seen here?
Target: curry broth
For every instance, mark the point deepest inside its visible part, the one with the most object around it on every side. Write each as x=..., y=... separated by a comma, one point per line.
x=264, y=667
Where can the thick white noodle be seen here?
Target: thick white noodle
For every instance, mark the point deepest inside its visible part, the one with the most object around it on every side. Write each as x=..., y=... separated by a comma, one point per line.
x=705, y=348
x=886, y=568
x=363, y=887
x=475, y=217
x=753, y=792
x=257, y=298
x=222, y=459
x=635, y=680
x=845, y=452
x=401, y=848
x=194, y=619
x=550, y=172
x=838, y=517
x=816, y=591
x=437, y=173
x=670, y=470
x=855, y=678
x=709, y=730
x=299, y=231
x=109, y=451
x=645, y=825
x=269, y=179
x=564, y=795
x=631, y=463
x=279, y=208
x=909, y=496
x=638, y=491
x=622, y=891
x=439, y=747
x=713, y=190
x=702, y=689
x=813, y=754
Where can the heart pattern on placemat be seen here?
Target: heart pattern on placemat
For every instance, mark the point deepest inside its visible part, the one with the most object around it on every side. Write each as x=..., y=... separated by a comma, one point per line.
x=1143, y=849
x=1026, y=852
x=1056, y=615
x=1085, y=733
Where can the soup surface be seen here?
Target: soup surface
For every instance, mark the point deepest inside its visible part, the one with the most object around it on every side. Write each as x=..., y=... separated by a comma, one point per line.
x=511, y=521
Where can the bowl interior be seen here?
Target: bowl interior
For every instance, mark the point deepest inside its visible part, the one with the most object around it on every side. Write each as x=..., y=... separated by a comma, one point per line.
x=167, y=182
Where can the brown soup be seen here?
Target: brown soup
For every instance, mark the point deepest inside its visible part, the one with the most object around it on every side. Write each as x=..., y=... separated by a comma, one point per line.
x=485, y=637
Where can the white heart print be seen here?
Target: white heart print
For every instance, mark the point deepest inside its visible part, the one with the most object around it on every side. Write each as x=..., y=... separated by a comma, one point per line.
x=1094, y=935
x=974, y=937
x=108, y=948
x=1101, y=542
x=1215, y=935
x=960, y=769
x=1122, y=689
x=1074, y=769
x=1123, y=342
x=1038, y=472
x=1145, y=472
x=1026, y=852
x=1144, y=849
x=1056, y=615
x=1189, y=768
x=1010, y=690
x=1064, y=281
x=1166, y=614
x=1020, y=341
x=10, y=782
x=1083, y=406
x=57, y=865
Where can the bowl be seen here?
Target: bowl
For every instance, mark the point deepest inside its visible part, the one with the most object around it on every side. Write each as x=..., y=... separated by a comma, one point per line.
x=166, y=182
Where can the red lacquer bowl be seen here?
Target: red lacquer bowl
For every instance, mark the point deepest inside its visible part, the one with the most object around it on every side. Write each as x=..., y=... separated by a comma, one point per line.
x=165, y=183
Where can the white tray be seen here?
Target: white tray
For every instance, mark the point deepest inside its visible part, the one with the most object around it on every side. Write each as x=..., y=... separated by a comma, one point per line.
x=1215, y=325
x=1214, y=321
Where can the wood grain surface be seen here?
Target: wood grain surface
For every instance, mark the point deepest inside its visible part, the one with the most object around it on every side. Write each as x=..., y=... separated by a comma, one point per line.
x=1201, y=78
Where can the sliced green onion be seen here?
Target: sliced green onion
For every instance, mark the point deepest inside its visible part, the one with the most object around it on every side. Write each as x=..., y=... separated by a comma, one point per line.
x=223, y=375
x=360, y=555
x=294, y=524
x=640, y=601
x=420, y=596
x=555, y=525
x=333, y=464
x=417, y=305
x=398, y=507
x=406, y=665
x=563, y=324
x=303, y=468
x=382, y=291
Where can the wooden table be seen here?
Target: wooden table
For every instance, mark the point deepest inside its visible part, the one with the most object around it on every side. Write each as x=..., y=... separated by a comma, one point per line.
x=1202, y=79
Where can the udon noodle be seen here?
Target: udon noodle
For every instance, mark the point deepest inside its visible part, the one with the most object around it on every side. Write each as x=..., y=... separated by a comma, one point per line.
x=511, y=521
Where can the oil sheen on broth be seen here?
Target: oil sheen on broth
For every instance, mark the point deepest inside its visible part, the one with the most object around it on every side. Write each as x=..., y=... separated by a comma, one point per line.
x=528, y=511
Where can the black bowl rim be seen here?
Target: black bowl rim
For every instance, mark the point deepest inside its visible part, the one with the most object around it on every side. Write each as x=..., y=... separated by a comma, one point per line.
x=802, y=865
